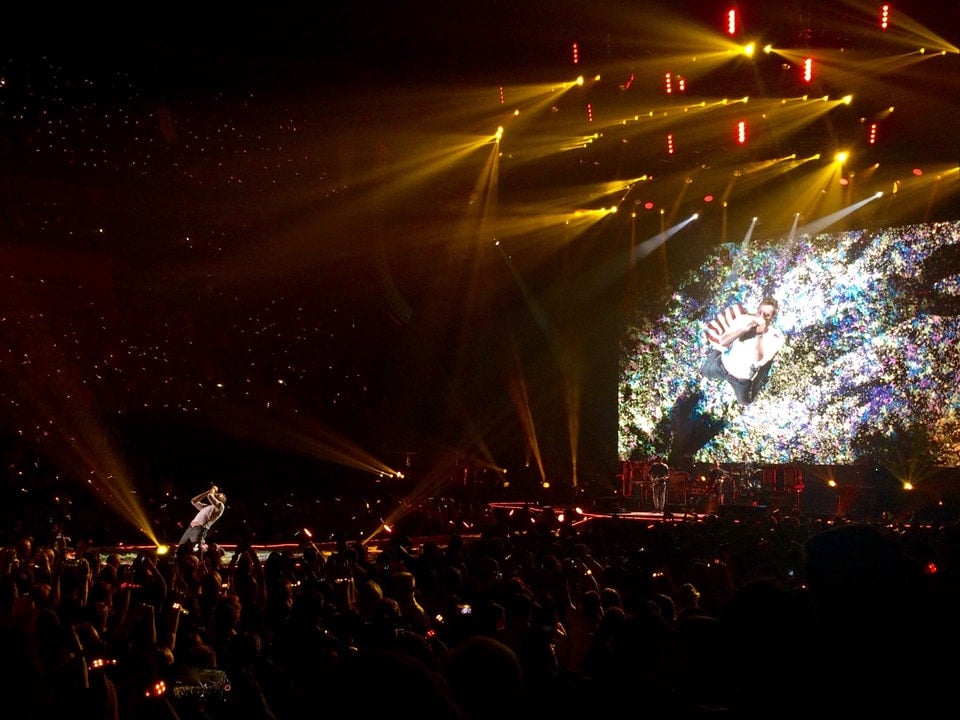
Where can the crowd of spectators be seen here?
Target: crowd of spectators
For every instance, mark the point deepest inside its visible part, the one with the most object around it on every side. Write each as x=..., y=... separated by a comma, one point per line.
x=770, y=613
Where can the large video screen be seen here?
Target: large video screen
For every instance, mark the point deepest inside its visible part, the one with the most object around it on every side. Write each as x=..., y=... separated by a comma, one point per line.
x=869, y=363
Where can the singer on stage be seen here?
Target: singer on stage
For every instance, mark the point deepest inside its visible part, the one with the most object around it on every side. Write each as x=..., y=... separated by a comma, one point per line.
x=210, y=505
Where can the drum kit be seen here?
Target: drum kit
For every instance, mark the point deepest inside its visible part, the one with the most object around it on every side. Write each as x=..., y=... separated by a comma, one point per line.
x=747, y=484
x=743, y=482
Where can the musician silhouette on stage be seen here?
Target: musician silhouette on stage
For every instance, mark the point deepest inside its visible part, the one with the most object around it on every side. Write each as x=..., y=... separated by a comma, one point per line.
x=659, y=475
x=716, y=480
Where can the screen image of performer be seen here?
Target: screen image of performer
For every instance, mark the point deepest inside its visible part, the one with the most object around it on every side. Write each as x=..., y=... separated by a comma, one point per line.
x=659, y=475
x=210, y=505
x=743, y=346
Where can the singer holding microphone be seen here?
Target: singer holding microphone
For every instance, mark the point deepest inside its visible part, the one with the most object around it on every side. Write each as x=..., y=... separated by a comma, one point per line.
x=210, y=505
x=743, y=346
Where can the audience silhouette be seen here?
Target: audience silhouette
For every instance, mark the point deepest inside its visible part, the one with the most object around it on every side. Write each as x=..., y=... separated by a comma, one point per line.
x=737, y=617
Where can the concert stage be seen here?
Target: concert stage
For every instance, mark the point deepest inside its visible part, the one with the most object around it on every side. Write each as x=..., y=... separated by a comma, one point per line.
x=822, y=492
x=860, y=492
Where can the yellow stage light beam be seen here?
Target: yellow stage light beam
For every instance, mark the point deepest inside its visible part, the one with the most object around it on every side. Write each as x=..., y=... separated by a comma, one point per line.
x=673, y=41
x=572, y=381
x=391, y=181
x=533, y=305
x=685, y=188
x=486, y=185
x=475, y=437
x=913, y=195
x=792, y=115
x=858, y=21
x=301, y=435
x=572, y=369
x=515, y=383
x=517, y=388
x=429, y=486
x=401, y=177
x=451, y=469
x=850, y=68
x=475, y=107
x=659, y=30
x=810, y=195
x=508, y=226
x=530, y=102
x=790, y=195
x=872, y=75
x=79, y=442
x=903, y=30
x=693, y=122
x=533, y=226
x=661, y=116
x=433, y=156
x=542, y=146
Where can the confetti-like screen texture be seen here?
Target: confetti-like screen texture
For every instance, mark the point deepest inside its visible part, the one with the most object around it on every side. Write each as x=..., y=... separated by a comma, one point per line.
x=871, y=363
